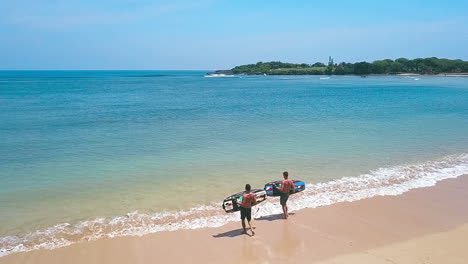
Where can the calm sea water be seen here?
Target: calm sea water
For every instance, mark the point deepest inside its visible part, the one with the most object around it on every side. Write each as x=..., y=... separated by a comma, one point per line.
x=80, y=145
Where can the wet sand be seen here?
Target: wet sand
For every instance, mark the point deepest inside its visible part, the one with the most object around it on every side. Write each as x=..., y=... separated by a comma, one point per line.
x=426, y=225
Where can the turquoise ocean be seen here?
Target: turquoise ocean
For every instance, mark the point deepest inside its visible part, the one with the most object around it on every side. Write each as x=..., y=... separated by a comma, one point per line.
x=86, y=155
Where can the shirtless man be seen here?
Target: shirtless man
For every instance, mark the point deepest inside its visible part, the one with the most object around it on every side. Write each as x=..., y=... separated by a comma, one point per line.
x=286, y=187
x=248, y=199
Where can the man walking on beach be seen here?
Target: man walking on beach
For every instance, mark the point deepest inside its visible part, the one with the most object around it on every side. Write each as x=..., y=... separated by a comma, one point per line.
x=287, y=186
x=248, y=199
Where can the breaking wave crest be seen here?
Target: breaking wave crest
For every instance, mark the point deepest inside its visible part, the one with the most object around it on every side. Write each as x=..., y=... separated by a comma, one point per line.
x=384, y=181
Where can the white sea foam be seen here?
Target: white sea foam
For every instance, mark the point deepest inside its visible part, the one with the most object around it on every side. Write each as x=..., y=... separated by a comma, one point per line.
x=383, y=181
x=219, y=75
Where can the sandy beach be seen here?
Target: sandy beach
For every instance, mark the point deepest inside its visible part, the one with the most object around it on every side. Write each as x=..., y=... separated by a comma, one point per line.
x=426, y=225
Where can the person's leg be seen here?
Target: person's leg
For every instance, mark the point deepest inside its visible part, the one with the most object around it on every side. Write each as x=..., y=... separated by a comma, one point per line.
x=249, y=217
x=285, y=211
x=283, y=204
x=251, y=228
x=242, y=211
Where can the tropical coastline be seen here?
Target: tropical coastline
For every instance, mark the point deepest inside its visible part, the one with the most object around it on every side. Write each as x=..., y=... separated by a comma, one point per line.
x=224, y=132
x=404, y=67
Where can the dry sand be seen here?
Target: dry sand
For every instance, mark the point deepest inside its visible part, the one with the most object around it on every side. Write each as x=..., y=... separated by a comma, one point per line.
x=446, y=247
x=427, y=225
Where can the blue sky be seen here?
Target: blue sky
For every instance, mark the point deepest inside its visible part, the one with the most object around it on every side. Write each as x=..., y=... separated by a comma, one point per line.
x=218, y=34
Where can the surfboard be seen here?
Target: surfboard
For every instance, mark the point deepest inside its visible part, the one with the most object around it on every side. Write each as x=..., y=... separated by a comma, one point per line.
x=230, y=203
x=271, y=190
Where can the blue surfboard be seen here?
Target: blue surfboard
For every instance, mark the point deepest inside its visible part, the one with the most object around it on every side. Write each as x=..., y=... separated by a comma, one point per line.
x=271, y=190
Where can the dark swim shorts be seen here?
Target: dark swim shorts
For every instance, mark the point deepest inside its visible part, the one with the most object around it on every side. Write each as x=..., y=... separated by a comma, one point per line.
x=246, y=213
x=284, y=198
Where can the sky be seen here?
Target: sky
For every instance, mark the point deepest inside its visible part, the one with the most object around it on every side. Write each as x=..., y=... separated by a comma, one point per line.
x=220, y=34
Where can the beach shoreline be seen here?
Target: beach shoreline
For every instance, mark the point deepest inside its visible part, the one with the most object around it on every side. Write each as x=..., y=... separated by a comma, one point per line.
x=338, y=233
x=435, y=75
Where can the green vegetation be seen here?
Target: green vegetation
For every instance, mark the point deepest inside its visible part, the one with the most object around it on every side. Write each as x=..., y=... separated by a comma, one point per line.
x=421, y=66
x=276, y=67
x=298, y=71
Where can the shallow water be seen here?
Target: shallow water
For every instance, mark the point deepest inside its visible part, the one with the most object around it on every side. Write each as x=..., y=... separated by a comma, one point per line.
x=77, y=146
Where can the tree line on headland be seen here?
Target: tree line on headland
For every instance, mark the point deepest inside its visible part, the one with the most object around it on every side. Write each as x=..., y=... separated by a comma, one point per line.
x=402, y=65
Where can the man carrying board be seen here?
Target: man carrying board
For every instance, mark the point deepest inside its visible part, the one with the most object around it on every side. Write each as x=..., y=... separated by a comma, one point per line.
x=287, y=186
x=248, y=199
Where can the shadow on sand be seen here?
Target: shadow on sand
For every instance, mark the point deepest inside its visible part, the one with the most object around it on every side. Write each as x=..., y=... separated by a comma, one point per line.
x=272, y=217
x=232, y=233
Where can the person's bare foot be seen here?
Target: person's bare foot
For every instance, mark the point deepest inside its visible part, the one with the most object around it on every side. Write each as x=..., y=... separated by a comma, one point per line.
x=253, y=233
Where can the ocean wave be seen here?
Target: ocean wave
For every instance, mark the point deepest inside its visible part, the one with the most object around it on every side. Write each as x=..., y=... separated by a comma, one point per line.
x=220, y=75
x=380, y=182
